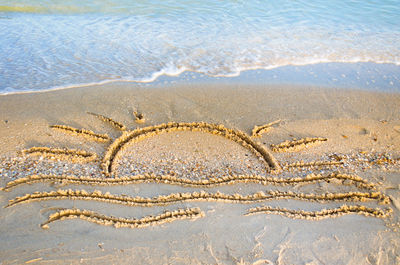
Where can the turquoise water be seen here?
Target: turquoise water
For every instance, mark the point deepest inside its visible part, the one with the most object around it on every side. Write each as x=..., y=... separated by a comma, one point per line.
x=59, y=43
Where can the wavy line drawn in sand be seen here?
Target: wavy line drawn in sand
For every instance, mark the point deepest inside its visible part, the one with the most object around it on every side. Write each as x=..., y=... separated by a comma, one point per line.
x=325, y=213
x=117, y=125
x=259, y=130
x=312, y=164
x=142, y=133
x=62, y=154
x=196, y=196
x=385, y=160
x=343, y=179
x=117, y=222
x=297, y=145
x=90, y=135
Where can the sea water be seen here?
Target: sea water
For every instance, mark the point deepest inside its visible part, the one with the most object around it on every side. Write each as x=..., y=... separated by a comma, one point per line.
x=46, y=44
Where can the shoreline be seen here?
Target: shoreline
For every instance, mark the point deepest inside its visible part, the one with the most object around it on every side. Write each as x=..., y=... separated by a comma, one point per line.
x=347, y=75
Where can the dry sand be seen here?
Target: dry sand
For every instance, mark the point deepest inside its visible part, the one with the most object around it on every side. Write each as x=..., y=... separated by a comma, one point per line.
x=362, y=131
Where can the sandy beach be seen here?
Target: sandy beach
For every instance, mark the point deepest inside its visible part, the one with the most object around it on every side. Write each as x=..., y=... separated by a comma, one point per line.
x=200, y=132
x=334, y=149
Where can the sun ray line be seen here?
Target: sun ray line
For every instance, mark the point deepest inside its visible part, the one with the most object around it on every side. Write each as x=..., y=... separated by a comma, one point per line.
x=90, y=135
x=63, y=154
x=117, y=125
x=297, y=145
x=259, y=130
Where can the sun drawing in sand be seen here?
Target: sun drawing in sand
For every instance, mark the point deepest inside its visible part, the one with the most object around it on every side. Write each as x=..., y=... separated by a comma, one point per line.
x=366, y=191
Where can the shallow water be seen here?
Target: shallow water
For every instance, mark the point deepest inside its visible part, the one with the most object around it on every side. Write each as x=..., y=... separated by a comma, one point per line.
x=51, y=43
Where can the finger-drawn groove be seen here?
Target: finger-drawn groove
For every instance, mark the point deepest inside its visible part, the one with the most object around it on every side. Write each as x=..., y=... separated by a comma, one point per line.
x=297, y=145
x=344, y=179
x=195, y=196
x=313, y=164
x=259, y=130
x=325, y=213
x=385, y=160
x=139, y=117
x=118, y=222
x=142, y=133
x=117, y=125
x=62, y=154
x=90, y=135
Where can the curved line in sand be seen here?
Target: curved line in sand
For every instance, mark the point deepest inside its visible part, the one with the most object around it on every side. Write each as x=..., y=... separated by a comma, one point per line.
x=343, y=179
x=195, y=196
x=325, y=213
x=150, y=131
x=117, y=222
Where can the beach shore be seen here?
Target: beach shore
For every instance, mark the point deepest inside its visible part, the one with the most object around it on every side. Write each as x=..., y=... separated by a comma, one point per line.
x=361, y=132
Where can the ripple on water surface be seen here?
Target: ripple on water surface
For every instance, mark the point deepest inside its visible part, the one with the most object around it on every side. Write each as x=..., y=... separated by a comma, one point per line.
x=46, y=44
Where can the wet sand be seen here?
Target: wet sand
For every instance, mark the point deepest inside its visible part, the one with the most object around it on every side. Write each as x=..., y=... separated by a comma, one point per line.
x=362, y=132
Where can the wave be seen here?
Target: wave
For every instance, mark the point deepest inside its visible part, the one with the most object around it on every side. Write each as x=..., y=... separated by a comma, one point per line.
x=355, y=75
x=121, y=40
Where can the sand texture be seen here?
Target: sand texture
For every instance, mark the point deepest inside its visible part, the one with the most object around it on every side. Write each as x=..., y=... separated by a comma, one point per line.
x=120, y=174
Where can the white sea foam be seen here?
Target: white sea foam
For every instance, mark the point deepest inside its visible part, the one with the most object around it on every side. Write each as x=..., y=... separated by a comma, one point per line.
x=69, y=43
